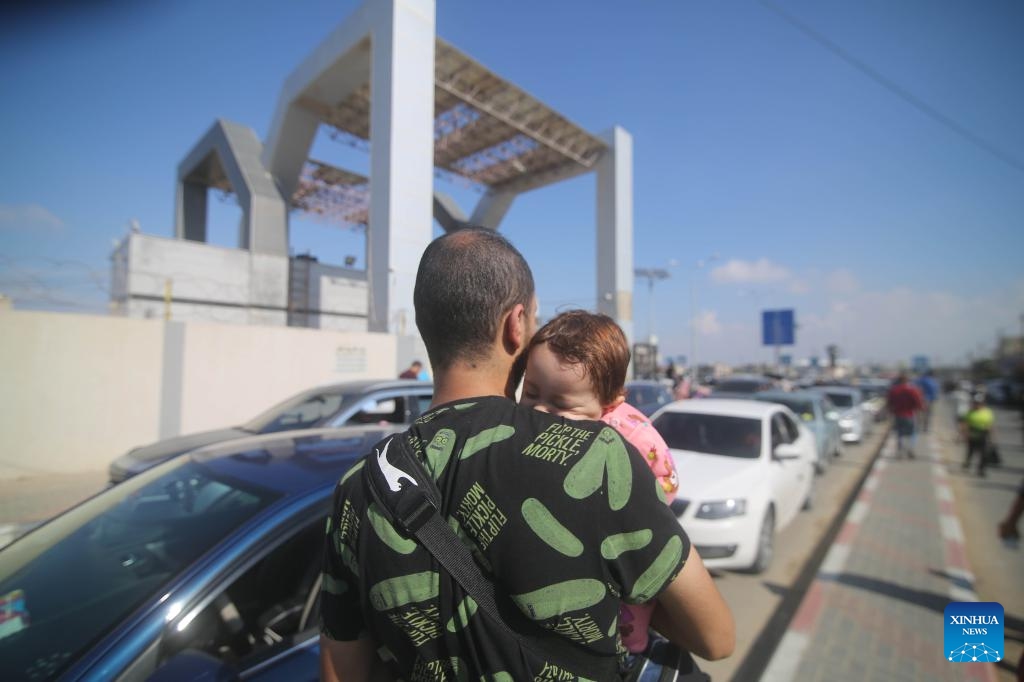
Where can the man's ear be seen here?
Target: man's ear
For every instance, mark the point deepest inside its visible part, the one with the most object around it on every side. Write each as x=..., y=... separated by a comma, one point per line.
x=514, y=329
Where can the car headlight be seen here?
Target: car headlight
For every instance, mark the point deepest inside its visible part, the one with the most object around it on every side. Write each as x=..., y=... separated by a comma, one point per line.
x=722, y=509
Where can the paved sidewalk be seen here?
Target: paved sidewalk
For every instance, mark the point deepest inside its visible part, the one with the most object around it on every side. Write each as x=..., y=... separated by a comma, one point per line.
x=875, y=609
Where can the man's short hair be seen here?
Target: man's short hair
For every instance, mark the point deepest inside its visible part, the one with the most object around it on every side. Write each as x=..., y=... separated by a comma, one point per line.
x=467, y=280
x=594, y=341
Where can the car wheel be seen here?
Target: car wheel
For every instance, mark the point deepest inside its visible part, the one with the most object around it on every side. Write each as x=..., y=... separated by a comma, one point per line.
x=765, y=543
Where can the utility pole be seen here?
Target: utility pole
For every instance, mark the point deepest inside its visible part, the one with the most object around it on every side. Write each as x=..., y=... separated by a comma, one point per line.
x=693, y=315
x=651, y=275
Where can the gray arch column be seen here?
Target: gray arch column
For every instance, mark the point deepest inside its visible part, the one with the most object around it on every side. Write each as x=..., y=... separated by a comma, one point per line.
x=615, y=229
x=234, y=150
x=391, y=44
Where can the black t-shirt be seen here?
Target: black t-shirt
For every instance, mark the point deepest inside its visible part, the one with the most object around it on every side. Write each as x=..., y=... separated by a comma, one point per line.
x=564, y=516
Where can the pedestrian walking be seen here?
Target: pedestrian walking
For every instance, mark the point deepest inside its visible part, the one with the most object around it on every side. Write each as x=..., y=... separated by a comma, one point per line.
x=413, y=371
x=904, y=402
x=977, y=429
x=929, y=389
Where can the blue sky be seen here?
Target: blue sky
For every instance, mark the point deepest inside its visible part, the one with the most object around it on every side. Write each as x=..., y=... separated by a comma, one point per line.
x=890, y=233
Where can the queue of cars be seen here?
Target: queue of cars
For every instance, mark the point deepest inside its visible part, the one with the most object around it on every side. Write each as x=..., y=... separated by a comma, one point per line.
x=201, y=562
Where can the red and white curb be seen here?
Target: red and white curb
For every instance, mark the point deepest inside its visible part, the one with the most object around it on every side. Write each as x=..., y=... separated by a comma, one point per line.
x=786, y=659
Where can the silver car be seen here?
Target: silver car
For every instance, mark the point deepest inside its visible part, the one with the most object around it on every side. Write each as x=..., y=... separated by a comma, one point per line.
x=343, y=404
x=854, y=422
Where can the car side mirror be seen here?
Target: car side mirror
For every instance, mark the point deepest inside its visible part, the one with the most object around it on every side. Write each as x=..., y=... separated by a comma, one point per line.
x=194, y=665
x=786, y=451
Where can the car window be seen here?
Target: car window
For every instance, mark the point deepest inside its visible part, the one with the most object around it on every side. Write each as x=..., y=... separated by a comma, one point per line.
x=124, y=544
x=421, y=403
x=841, y=399
x=790, y=426
x=780, y=431
x=383, y=410
x=304, y=412
x=260, y=612
x=711, y=433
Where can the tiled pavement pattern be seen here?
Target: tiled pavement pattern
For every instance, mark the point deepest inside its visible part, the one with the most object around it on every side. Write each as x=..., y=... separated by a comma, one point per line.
x=875, y=610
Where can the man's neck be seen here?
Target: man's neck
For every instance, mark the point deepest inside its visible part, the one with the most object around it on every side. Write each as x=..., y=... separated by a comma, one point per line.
x=465, y=381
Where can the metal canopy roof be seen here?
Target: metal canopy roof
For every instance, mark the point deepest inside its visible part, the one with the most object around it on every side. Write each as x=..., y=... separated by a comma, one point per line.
x=487, y=131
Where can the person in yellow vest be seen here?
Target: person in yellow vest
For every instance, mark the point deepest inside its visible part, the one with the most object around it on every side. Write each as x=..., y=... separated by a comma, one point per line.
x=977, y=426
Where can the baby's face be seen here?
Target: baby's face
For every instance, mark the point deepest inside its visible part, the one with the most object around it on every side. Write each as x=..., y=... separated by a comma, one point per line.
x=553, y=386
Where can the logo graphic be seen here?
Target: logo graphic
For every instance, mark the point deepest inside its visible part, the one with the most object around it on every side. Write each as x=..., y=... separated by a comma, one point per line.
x=394, y=475
x=973, y=632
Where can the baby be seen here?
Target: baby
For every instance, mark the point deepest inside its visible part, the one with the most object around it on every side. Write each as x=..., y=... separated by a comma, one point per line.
x=576, y=368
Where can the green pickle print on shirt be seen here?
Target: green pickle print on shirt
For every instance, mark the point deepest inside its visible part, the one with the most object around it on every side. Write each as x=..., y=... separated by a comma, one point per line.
x=481, y=440
x=333, y=586
x=387, y=533
x=654, y=577
x=353, y=469
x=554, y=600
x=462, y=615
x=439, y=451
x=543, y=523
x=406, y=589
x=615, y=545
x=606, y=453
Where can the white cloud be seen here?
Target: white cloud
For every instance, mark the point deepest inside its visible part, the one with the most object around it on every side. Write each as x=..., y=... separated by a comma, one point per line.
x=708, y=324
x=894, y=325
x=798, y=287
x=842, y=281
x=761, y=271
x=28, y=217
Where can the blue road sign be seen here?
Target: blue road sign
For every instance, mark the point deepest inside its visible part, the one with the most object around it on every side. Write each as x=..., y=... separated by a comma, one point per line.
x=778, y=327
x=920, y=363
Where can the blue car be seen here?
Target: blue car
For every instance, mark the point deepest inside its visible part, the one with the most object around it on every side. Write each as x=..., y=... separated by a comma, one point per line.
x=204, y=567
x=818, y=414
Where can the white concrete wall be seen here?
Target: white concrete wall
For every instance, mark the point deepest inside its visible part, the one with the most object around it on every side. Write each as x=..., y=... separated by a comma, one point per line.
x=210, y=283
x=77, y=390
x=232, y=373
x=81, y=390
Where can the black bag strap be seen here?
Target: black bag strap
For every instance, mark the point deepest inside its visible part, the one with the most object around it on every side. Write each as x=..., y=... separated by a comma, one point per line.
x=402, y=486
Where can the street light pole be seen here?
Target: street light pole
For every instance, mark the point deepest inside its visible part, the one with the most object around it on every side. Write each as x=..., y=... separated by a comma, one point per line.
x=693, y=316
x=651, y=275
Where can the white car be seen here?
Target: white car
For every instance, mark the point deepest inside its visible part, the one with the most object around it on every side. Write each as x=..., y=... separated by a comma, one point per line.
x=745, y=469
x=854, y=422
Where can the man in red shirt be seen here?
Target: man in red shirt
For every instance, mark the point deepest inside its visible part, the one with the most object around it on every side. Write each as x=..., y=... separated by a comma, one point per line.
x=904, y=402
x=413, y=372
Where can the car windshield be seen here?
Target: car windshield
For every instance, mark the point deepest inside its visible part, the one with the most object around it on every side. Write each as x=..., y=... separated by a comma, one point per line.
x=872, y=391
x=641, y=394
x=841, y=399
x=803, y=408
x=71, y=581
x=304, y=411
x=711, y=433
x=740, y=386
